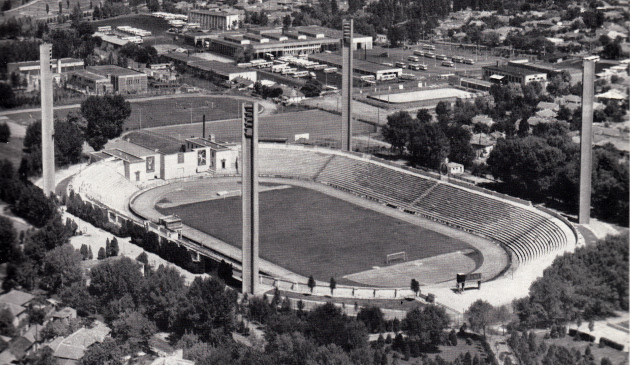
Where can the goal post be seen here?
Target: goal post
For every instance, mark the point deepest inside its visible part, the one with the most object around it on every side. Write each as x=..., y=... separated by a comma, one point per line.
x=396, y=256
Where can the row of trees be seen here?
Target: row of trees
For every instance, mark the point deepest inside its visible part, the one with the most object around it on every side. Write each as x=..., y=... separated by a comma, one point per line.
x=425, y=143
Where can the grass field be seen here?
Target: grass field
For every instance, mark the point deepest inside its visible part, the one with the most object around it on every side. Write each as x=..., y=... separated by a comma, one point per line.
x=312, y=233
x=161, y=112
x=319, y=124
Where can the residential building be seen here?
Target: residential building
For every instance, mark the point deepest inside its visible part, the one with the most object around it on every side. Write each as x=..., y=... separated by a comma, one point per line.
x=70, y=349
x=17, y=302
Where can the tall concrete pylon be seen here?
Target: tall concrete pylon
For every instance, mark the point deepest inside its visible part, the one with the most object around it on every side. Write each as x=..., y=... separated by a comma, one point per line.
x=48, y=126
x=586, y=139
x=346, y=85
x=250, y=198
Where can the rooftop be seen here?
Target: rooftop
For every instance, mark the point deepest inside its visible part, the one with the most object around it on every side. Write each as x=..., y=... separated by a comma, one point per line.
x=216, y=67
x=203, y=142
x=512, y=70
x=358, y=64
x=16, y=297
x=89, y=75
x=131, y=148
x=214, y=12
x=73, y=346
x=64, y=61
x=113, y=70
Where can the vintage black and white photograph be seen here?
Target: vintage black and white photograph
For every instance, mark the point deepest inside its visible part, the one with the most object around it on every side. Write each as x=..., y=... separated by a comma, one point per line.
x=306, y=182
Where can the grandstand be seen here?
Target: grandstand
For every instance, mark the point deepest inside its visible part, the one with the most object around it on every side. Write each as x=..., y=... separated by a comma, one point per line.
x=526, y=232
x=523, y=231
x=102, y=184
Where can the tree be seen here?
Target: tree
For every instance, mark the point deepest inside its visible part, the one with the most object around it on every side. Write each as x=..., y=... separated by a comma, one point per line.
x=328, y=325
x=443, y=111
x=105, y=116
x=415, y=286
x=6, y=323
x=5, y=133
x=312, y=88
x=372, y=317
x=479, y=315
x=34, y=206
x=107, y=352
x=397, y=130
x=423, y=116
x=61, y=268
x=113, y=247
x=133, y=329
x=333, y=285
x=162, y=294
x=286, y=22
x=143, y=258
x=101, y=254
x=117, y=285
x=224, y=271
x=208, y=309
x=427, y=323
x=461, y=150
x=7, y=239
x=428, y=146
x=47, y=9
x=311, y=283
x=68, y=141
x=90, y=254
x=84, y=251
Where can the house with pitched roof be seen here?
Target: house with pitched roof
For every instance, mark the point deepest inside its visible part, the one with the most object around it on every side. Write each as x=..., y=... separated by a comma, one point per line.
x=69, y=350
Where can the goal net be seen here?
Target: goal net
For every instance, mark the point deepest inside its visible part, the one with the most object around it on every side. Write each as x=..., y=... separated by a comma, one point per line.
x=396, y=257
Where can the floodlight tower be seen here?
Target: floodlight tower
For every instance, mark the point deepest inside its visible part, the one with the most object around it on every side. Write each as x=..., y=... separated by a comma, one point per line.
x=250, y=198
x=48, y=127
x=346, y=85
x=586, y=139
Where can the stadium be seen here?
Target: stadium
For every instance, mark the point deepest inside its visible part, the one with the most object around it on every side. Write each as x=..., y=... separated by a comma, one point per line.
x=371, y=224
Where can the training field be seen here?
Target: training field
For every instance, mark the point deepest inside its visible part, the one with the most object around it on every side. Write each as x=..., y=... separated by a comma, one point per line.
x=423, y=95
x=320, y=125
x=311, y=233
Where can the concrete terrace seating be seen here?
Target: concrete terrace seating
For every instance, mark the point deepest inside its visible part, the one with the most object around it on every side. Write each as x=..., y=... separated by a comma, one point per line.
x=395, y=187
x=291, y=163
x=527, y=234
x=101, y=182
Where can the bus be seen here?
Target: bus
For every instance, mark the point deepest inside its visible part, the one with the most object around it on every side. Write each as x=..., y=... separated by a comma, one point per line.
x=413, y=58
x=418, y=53
x=388, y=64
x=288, y=70
x=300, y=74
x=448, y=64
x=401, y=64
x=428, y=46
x=417, y=67
x=469, y=61
x=368, y=78
x=269, y=56
x=407, y=77
x=457, y=59
x=429, y=55
x=441, y=57
x=329, y=70
x=386, y=77
x=279, y=68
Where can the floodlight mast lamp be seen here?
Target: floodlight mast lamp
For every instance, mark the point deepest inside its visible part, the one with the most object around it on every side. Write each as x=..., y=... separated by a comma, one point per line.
x=48, y=127
x=250, y=198
x=586, y=139
x=346, y=85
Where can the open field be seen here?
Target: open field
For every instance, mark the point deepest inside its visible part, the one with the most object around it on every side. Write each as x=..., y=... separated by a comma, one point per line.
x=318, y=124
x=312, y=233
x=158, y=112
x=37, y=8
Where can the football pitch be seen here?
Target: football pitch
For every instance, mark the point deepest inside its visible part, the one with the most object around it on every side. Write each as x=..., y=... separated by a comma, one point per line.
x=311, y=233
